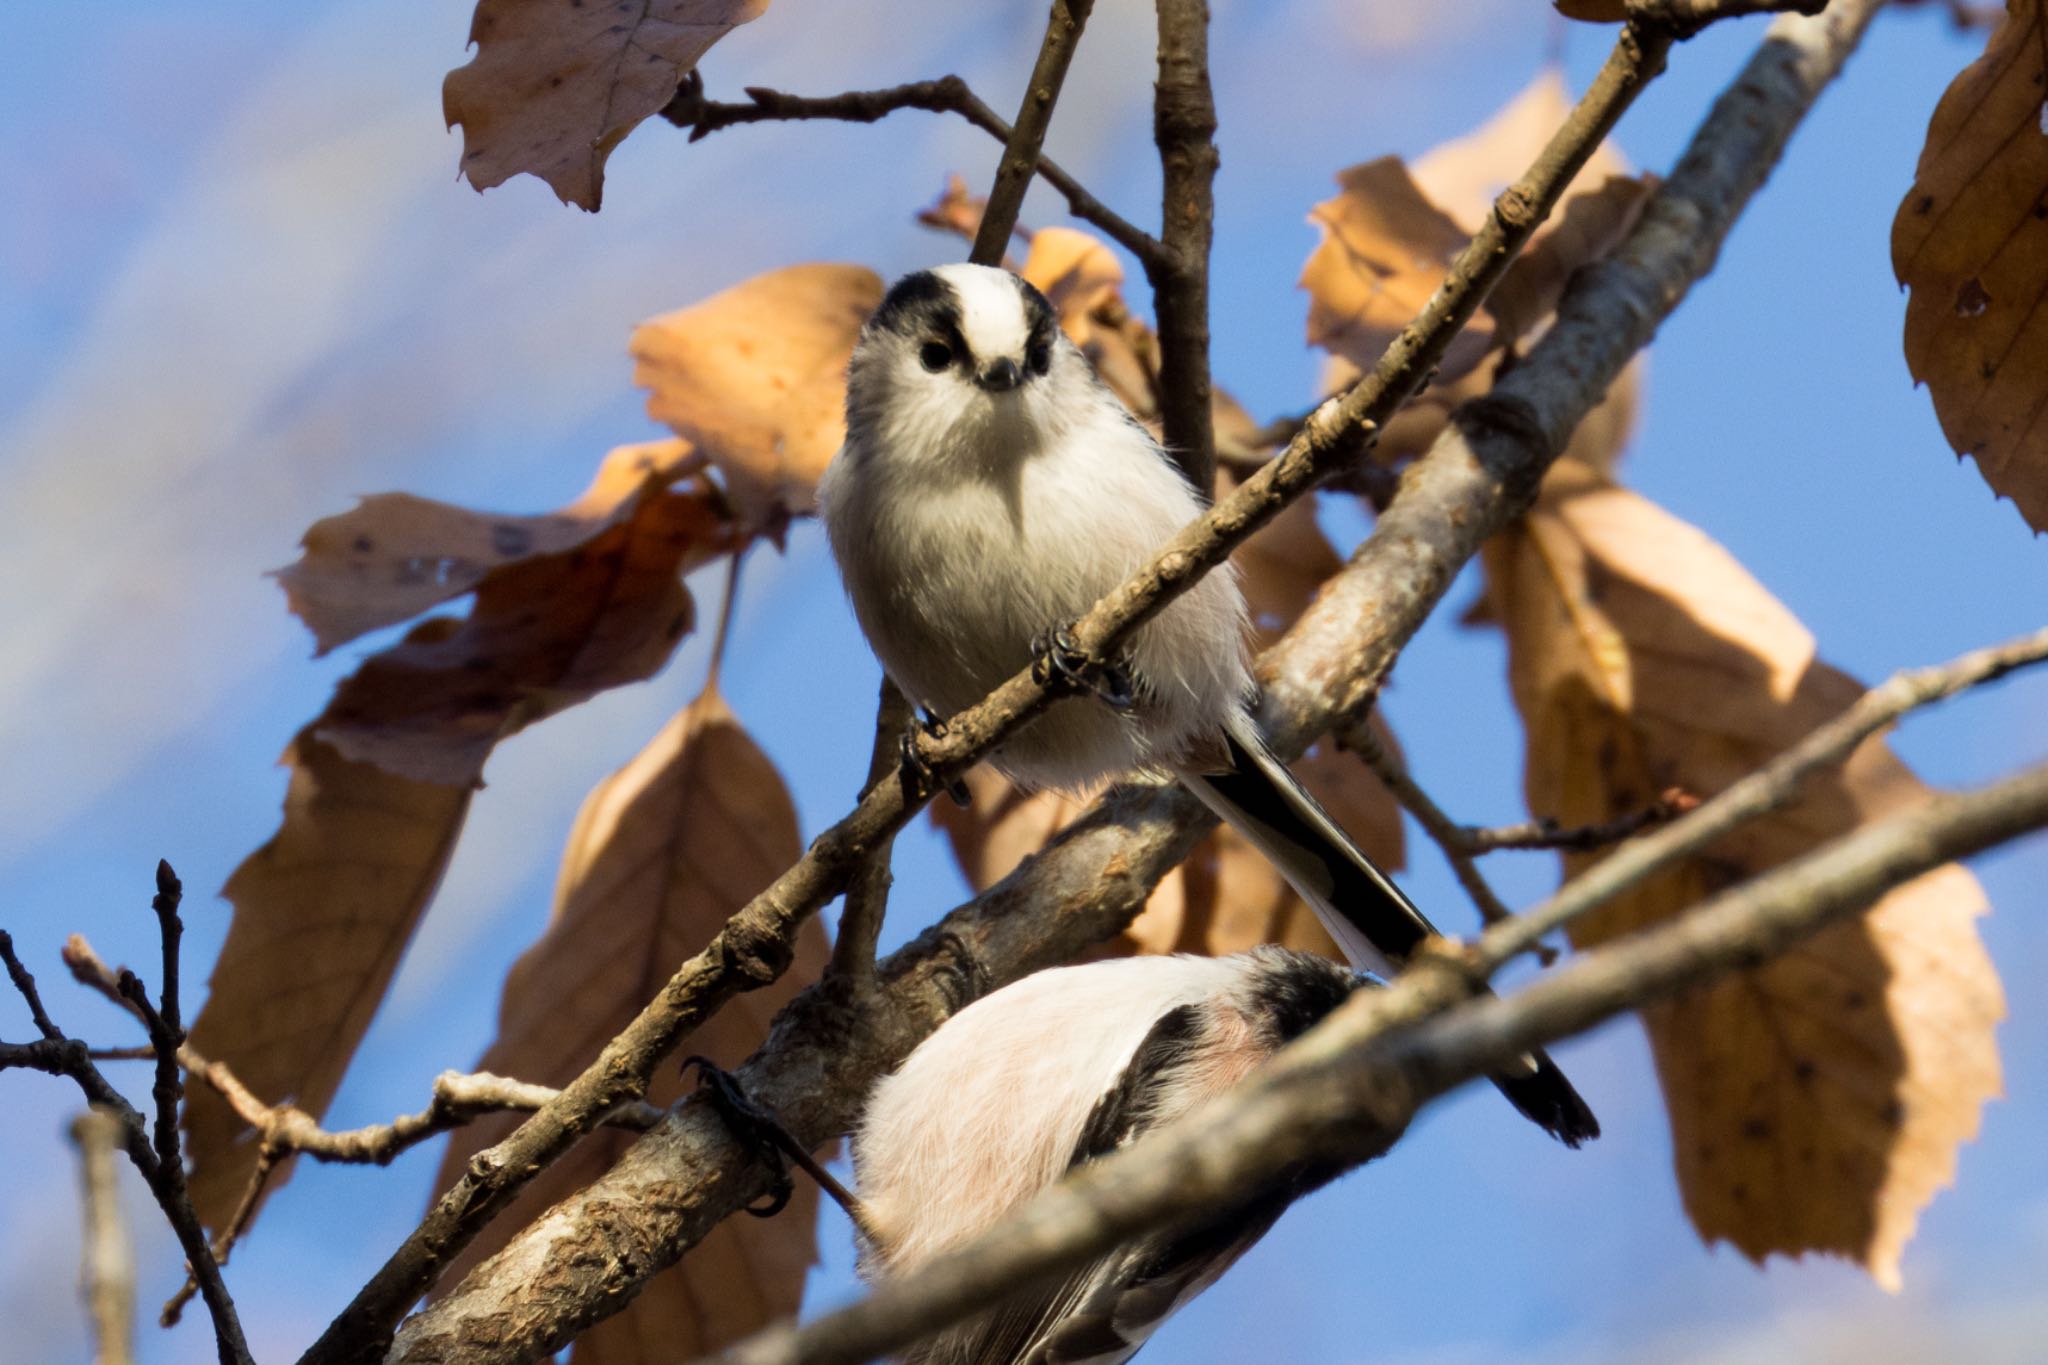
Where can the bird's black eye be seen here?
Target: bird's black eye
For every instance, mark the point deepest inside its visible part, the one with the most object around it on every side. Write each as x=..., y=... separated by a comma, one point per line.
x=1038, y=357
x=936, y=355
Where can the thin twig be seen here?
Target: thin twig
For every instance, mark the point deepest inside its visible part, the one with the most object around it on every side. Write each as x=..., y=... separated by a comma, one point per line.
x=726, y=603
x=1448, y=834
x=1767, y=789
x=867, y=897
x=1547, y=833
x=62, y=1056
x=1184, y=128
x=1027, y=135
x=946, y=95
x=108, y=1272
x=1684, y=18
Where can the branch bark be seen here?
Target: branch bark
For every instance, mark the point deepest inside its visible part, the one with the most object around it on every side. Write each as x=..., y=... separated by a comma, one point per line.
x=586, y=1261
x=109, y=1262
x=1027, y=134
x=1184, y=127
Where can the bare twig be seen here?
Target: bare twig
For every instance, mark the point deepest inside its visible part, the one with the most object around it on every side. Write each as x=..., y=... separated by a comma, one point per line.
x=754, y=945
x=946, y=95
x=1184, y=127
x=1684, y=18
x=867, y=898
x=1027, y=134
x=108, y=1272
x=1448, y=834
x=1763, y=791
x=1548, y=833
x=58, y=1055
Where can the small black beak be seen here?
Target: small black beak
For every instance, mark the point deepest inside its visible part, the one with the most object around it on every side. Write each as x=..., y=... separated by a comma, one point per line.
x=1001, y=376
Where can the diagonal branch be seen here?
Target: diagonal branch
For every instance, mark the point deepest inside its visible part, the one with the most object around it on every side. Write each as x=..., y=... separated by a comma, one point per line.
x=1027, y=134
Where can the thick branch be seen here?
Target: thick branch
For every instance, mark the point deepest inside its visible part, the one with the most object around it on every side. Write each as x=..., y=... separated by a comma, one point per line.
x=1184, y=127
x=1344, y=1093
x=1027, y=135
x=1089, y=882
x=946, y=95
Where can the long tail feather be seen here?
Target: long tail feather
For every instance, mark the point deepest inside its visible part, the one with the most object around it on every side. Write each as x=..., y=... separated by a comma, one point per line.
x=1375, y=925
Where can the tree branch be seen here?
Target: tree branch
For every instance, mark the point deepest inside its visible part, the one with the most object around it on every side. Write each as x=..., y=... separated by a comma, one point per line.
x=58, y=1055
x=1346, y=1090
x=1027, y=134
x=946, y=95
x=109, y=1269
x=1184, y=127
x=1094, y=876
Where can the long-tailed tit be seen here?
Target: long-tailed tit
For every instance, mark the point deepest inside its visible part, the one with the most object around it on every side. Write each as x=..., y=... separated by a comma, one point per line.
x=990, y=491
x=1052, y=1071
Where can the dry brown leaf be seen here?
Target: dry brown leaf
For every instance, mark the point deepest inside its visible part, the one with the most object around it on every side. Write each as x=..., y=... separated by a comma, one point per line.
x=395, y=555
x=1082, y=279
x=1465, y=175
x=756, y=378
x=1385, y=249
x=663, y=852
x=1971, y=243
x=544, y=633
x=1594, y=11
x=1816, y=1102
x=1390, y=235
x=1225, y=897
x=322, y=913
x=554, y=87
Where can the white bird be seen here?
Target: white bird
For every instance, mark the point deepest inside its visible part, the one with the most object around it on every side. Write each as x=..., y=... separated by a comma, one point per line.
x=990, y=491
x=1052, y=1071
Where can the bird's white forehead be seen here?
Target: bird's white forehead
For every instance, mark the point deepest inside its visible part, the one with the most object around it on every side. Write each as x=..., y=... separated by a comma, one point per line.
x=993, y=320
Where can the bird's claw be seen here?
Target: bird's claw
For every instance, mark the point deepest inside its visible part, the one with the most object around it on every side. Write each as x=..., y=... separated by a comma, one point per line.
x=753, y=1125
x=1054, y=655
x=918, y=776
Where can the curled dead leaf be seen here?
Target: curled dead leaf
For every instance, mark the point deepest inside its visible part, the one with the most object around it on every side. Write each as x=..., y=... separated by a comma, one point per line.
x=322, y=913
x=662, y=853
x=395, y=555
x=1971, y=243
x=543, y=633
x=1817, y=1102
x=755, y=378
x=553, y=88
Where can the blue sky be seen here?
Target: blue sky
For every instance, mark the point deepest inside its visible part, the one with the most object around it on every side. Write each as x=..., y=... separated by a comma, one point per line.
x=240, y=284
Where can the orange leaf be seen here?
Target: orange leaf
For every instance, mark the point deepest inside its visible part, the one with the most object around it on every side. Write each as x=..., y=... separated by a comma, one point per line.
x=554, y=87
x=1390, y=236
x=395, y=555
x=663, y=852
x=1816, y=1102
x=544, y=633
x=756, y=378
x=1385, y=249
x=1971, y=243
x=322, y=913
x=1082, y=279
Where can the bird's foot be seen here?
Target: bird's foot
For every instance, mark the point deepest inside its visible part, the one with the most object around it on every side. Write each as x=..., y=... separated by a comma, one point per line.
x=757, y=1126
x=1055, y=656
x=917, y=773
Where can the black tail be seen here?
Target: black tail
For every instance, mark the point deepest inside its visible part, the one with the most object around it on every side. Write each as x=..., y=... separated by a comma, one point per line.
x=1375, y=925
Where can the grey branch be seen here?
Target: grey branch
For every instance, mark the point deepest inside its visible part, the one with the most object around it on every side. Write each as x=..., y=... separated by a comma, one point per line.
x=1344, y=1093
x=825, y=1051
x=1021, y=148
